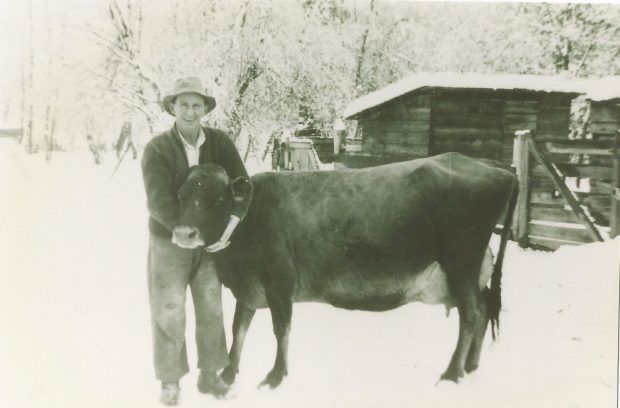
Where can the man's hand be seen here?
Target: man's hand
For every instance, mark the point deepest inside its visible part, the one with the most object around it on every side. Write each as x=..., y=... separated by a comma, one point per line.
x=225, y=238
x=218, y=246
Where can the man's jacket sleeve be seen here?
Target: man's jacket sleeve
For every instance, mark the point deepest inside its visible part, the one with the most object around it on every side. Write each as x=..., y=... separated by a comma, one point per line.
x=161, y=198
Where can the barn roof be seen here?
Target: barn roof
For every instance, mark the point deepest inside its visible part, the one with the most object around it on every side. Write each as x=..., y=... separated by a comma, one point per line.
x=596, y=89
x=605, y=89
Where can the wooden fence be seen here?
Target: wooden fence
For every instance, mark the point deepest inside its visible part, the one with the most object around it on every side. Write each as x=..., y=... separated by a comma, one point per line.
x=553, y=212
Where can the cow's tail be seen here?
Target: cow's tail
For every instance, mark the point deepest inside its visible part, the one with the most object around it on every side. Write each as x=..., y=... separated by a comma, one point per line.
x=494, y=300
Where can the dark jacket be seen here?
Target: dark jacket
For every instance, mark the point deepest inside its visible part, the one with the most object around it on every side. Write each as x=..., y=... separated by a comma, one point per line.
x=165, y=168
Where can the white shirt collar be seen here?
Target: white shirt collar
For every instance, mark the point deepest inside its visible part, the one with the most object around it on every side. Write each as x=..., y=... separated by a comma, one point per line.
x=193, y=153
x=199, y=141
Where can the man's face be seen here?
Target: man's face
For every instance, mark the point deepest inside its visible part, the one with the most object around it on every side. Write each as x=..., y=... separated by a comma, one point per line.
x=189, y=109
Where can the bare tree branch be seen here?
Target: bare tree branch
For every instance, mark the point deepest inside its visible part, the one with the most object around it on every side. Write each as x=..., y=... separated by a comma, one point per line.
x=583, y=60
x=138, y=68
x=137, y=106
x=119, y=86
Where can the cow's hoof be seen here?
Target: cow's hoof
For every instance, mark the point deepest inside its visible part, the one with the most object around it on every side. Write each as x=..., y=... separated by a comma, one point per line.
x=228, y=375
x=452, y=375
x=470, y=367
x=273, y=379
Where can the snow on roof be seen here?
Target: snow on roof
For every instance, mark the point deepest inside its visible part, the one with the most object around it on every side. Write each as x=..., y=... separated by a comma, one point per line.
x=596, y=89
x=604, y=89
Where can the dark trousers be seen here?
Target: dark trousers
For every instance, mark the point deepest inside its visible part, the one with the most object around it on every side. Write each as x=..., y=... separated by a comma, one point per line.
x=170, y=270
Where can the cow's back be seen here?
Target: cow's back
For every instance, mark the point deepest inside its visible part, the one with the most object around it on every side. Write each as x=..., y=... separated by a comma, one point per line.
x=377, y=204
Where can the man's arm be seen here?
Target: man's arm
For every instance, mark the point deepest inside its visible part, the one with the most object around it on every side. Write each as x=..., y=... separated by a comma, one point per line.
x=232, y=163
x=161, y=198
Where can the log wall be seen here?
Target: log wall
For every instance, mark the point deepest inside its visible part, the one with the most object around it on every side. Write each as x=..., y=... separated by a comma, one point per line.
x=479, y=123
x=399, y=128
x=604, y=120
x=470, y=122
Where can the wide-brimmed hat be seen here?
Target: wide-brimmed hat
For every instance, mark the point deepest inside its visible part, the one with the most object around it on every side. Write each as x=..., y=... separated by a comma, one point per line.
x=188, y=85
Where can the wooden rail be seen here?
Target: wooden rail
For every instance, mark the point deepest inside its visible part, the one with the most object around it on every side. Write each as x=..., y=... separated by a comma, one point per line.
x=541, y=157
x=549, y=217
x=583, y=146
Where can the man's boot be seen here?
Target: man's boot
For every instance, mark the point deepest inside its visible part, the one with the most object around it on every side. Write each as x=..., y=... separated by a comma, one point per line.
x=210, y=383
x=170, y=393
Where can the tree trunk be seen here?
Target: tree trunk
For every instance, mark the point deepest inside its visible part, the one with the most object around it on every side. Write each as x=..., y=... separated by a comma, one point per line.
x=252, y=72
x=47, y=137
x=362, y=54
x=23, y=103
x=29, y=121
x=360, y=61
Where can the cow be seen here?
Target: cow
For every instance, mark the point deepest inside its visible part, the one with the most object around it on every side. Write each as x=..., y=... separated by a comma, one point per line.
x=368, y=239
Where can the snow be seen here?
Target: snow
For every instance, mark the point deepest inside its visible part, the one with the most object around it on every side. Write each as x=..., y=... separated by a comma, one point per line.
x=596, y=89
x=605, y=89
x=75, y=320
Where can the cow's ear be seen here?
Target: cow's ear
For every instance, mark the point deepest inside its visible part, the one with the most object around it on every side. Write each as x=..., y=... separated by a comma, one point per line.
x=242, y=189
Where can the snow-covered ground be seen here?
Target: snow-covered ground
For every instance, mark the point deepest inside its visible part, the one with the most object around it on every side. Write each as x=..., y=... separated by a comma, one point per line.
x=74, y=320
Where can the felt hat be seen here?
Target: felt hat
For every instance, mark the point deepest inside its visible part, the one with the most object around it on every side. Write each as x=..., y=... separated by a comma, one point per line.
x=188, y=85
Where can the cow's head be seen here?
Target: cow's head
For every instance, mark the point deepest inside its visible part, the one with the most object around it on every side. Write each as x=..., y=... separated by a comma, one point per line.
x=206, y=201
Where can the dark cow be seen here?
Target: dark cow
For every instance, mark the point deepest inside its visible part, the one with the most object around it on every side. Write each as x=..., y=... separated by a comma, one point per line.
x=371, y=239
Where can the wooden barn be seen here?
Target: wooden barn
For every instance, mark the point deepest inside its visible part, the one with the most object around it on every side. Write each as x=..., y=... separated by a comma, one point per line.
x=427, y=114
x=571, y=182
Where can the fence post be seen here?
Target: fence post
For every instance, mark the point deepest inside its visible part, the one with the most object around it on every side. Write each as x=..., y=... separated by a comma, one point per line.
x=614, y=226
x=521, y=161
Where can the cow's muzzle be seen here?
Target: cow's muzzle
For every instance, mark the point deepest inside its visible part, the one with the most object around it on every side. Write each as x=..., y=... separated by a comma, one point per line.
x=187, y=237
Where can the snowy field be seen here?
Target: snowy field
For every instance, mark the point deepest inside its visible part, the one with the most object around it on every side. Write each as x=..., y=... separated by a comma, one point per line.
x=75, y=327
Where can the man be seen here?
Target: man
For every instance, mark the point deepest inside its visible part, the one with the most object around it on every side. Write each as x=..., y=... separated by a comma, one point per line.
x=165, y=166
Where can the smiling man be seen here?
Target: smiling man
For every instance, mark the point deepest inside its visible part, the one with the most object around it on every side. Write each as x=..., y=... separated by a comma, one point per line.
x=172, y=268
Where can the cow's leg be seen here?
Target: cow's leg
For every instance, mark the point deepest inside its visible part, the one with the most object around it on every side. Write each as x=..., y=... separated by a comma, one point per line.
x=241, y=323
x=467, y=304
x=471, y=363
x=280, y=300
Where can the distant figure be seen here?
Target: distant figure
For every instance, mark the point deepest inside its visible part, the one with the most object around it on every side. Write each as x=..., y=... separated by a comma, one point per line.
x=92, y=146
x=125, y=142
x=276, y=154
x=340, y=131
